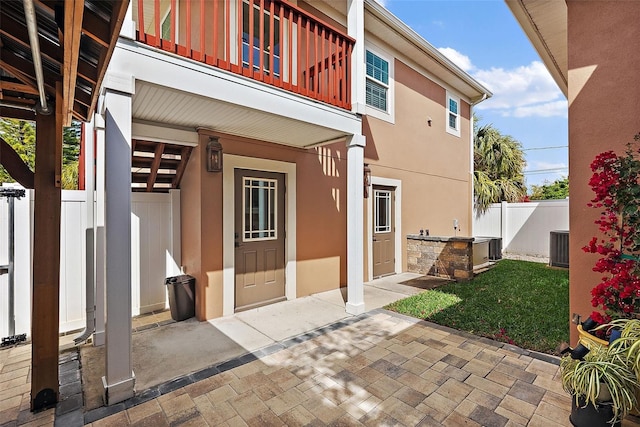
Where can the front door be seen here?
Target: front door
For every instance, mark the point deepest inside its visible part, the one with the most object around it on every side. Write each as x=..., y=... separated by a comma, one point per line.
x=259, y=238
x=384, y=248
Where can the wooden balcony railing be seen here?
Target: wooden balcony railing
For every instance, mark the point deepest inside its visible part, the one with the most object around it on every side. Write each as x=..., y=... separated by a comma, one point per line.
x=271, y=41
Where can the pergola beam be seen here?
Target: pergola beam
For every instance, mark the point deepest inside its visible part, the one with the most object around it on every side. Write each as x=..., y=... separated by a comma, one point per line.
x=71, y=41
x=45, y=313
x=14, y=165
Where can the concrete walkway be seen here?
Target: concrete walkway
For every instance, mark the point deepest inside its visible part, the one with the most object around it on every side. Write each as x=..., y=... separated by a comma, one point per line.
x=306, y=362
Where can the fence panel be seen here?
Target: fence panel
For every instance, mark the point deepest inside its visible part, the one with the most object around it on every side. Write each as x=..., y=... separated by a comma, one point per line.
x=524, y=227
x=151, y=257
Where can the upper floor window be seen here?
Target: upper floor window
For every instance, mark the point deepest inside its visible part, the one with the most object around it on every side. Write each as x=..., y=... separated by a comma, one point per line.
x=261, y=31
x=377, y=87
x=168, y=16
x=453, y=115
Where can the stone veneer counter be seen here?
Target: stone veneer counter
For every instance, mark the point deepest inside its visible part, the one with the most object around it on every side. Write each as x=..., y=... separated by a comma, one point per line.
x=448, y=257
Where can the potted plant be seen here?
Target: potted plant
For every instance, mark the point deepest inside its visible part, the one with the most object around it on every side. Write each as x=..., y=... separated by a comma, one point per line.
x=603, y=387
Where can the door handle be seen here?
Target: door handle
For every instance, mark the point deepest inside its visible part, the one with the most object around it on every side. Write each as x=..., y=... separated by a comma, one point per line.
x=237, y=244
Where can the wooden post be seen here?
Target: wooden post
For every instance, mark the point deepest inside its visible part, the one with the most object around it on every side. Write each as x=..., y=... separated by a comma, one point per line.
x=46, y=258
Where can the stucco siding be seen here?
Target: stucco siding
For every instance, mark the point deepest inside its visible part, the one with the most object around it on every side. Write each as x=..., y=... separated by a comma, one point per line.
x=433, y=165
x=603, y=115
x=320, y=217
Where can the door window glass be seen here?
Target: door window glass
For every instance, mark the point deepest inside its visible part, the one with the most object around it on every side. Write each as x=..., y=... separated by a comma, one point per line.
x=382, y=204
x=260, y=209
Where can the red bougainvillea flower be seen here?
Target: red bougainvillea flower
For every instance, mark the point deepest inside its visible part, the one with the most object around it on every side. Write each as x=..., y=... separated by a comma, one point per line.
x=615, y=183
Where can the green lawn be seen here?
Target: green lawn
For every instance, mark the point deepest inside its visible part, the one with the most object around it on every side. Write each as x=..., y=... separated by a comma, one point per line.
x=519, y=302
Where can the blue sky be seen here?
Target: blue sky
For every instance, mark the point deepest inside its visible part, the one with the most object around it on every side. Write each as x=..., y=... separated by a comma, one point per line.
x=483, y=38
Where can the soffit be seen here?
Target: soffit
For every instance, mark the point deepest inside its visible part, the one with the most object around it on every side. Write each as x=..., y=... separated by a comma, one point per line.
x=545, y=24
x=160, y=104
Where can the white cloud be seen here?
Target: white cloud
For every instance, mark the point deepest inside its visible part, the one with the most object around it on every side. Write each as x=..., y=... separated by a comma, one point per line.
x=460, y=59
x=524, y=91
x=382, y=2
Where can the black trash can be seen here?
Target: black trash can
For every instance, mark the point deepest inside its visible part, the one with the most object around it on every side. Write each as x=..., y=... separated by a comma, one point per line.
x=182, y=296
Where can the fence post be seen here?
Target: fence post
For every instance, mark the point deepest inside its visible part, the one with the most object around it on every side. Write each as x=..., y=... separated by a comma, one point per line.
x=504, y=219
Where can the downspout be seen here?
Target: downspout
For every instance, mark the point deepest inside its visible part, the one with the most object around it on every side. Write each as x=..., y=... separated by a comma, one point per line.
x=32, y=27
x=87, y=141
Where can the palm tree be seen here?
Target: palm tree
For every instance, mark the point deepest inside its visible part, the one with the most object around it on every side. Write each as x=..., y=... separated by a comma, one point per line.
x=498, y=168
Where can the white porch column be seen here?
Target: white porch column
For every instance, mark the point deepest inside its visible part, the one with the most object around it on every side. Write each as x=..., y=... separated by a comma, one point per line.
x=174, y=259
x=119, y=380
x=355, y=234
x=98, y=336
x=355, y=29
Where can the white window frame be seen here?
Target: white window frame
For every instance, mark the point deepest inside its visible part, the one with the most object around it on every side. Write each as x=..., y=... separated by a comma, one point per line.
x=382, y=194
x=452, y=131
x=389, y=114
x=271, y=202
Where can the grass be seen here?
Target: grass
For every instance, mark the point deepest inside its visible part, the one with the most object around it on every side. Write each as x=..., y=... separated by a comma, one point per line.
x=519, y=302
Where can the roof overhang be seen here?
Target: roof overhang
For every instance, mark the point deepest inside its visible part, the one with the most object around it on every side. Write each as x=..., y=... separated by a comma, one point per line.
x=76, y=39
x=545, y=24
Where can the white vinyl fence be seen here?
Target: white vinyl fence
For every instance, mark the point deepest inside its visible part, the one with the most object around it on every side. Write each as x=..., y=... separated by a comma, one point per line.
x=524, y=227
x=155, y=239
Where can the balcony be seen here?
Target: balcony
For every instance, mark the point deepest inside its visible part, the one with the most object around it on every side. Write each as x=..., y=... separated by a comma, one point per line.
x=273, y=42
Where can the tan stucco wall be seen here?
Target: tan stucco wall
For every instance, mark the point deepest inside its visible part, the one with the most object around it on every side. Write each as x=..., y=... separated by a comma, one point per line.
x=433, y=165
x=603, y=115
x=320, y=227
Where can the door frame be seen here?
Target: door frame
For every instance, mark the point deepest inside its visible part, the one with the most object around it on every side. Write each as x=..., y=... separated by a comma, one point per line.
x=397, y=223
x=230, y=163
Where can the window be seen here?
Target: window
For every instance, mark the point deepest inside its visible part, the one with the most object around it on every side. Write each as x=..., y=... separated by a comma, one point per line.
x=165, y=26
x=266, y=39
x=382, y=206
x=453, y=115
x=260, y=209
x=377, y=81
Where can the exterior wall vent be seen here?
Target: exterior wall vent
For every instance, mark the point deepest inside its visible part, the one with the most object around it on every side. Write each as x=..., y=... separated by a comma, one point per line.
x=559, y=248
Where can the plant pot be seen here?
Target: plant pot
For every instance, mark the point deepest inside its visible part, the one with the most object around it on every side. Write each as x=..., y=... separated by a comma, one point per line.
x=591, y=416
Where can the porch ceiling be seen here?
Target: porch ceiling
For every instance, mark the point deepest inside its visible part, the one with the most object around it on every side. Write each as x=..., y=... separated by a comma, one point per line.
x=170, y=107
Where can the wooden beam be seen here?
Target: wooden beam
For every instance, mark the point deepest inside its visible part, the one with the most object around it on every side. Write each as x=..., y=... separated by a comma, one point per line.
x=184, y=159
x=96, y=28
x=117, y=18
x=73, y=11
x=18, y=74
x=18, y=87
x=17, y=113
x=46, y=258
x=153, y=173
x=18, y=32
x=22, y=69
x=14, y=165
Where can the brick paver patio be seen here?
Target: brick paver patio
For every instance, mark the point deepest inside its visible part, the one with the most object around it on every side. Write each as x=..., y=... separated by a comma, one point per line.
x=381, y=369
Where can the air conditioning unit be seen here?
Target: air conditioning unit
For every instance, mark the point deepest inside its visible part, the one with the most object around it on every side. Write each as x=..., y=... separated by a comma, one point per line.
x=495, y=248
x=559, y=248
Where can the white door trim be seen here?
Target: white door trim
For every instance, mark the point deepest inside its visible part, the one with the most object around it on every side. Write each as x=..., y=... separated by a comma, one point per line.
x=388, y=182
x=230, y=163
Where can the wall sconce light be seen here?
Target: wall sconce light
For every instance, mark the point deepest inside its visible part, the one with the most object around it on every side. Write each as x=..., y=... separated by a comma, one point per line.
x=214, y=155
x=429, y=121
x=366, y=180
